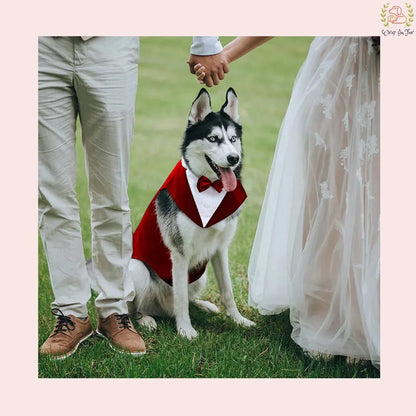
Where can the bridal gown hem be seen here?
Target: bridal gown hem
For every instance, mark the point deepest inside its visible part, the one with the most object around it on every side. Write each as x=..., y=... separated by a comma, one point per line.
x=316, y=249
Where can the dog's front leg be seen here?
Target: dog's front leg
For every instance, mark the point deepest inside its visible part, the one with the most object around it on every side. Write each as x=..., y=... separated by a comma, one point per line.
x=180, y=296
x=220, y=265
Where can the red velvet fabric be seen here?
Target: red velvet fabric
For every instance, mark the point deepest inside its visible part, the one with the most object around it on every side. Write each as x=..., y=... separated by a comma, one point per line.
x=148, y=245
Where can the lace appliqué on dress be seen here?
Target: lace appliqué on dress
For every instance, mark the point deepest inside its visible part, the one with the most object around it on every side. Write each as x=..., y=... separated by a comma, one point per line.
x=345, y=120
x=365, y=114
x=368, y=147
x=319, y=141
x=325, y=193
x=326, y=104
x=353, y=50
x=371, y=146
x=348, y=82
x=343, y=155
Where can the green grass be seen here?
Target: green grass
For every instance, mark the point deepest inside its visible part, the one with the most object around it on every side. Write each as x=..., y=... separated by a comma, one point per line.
x=263, y=81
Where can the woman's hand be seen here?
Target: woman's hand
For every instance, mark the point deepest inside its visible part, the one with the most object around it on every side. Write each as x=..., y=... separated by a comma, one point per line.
x=215, y=68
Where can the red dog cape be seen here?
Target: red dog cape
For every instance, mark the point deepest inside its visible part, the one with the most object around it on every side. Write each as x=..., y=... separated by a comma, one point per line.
x=148, y=245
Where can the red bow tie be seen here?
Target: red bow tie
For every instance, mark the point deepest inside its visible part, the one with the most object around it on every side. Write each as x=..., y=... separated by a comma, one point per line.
x=204, y=183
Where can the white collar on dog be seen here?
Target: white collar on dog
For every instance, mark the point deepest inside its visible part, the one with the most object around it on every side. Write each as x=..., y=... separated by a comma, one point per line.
x=207, y=202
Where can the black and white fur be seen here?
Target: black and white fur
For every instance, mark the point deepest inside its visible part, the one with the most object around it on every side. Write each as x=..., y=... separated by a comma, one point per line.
x=211, y=141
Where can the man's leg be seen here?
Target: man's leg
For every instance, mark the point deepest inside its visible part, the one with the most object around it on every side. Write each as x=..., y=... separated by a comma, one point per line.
x=106, y=85
x=59, y=223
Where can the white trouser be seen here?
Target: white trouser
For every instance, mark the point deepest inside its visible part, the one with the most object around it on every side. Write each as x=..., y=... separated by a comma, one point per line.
x=97, y=80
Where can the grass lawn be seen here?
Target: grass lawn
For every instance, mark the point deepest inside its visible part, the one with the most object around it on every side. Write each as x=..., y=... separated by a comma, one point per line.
x=263, y=81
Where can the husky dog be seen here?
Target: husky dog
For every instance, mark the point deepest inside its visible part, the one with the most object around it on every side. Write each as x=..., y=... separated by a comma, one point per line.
x=192, y=220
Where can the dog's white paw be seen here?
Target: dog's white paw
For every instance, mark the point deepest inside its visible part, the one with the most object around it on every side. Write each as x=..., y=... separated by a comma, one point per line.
x=187, y=332
x=240, y=320
x=247, y=323
x=206, y=306
x=148, y=322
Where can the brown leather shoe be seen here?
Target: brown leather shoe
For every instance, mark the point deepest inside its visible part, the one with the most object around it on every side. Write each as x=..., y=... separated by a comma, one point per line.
x=69, y=332
x=121, y=333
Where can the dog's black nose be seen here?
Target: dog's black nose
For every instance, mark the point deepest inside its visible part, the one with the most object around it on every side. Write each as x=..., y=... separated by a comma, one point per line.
x=233, y=159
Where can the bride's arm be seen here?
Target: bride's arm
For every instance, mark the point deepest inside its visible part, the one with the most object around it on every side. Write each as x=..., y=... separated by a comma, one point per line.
x=232, y=51
x=242, y=45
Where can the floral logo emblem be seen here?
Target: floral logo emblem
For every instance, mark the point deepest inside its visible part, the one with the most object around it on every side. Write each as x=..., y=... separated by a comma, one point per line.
x=395, y=15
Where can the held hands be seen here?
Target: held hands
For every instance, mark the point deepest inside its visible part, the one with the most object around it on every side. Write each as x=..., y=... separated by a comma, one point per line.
x=210, y=69
x=200, y=73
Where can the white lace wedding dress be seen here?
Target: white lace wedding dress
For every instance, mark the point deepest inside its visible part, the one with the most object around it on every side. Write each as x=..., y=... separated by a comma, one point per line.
x=316, y=249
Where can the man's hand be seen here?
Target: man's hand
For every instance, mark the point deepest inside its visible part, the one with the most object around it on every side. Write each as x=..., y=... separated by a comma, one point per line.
x=215, y=66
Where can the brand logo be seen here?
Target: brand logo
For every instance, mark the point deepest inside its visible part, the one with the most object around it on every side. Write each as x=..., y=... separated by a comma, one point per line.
x=397, y=16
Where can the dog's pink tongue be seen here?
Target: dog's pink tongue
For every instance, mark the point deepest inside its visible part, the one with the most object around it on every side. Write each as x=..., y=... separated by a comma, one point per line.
x=228, y=179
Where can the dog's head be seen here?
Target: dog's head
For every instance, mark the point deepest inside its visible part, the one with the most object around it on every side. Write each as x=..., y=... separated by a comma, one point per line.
x=212, y=144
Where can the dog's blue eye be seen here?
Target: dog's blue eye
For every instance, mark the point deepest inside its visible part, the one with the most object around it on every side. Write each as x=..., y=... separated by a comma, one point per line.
x=233, y=139
x=212, y=139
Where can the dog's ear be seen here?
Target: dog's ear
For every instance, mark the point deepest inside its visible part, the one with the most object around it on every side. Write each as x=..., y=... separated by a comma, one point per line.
x=230, y=106
x=200, y=108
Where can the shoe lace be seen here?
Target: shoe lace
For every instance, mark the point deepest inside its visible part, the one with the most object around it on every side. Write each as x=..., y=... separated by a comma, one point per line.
x=124, y=320
x=64, y=323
